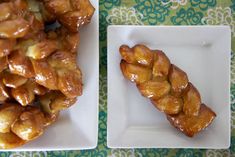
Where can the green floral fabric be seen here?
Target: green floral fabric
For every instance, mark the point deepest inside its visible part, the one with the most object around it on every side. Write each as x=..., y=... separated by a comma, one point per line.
x=153, y=12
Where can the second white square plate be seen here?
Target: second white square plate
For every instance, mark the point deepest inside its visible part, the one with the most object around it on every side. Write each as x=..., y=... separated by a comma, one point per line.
x=203, y=52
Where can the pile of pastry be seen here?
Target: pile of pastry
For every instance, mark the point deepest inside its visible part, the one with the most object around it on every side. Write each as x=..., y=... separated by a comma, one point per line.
x=168, y=88
x=39, y=75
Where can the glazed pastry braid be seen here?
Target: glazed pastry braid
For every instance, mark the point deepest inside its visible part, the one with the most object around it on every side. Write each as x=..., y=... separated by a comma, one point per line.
x=167, y=86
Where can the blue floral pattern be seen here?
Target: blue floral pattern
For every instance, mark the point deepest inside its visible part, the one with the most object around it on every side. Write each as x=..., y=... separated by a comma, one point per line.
x=203, y=4
x=110, y=3
x=103, y=25
x=189, y=153
x=152, y=152
x=233, y=97
x=154, y=11
x=232, y=147
x=233, y=5
x=187, y=17
x=102, y=126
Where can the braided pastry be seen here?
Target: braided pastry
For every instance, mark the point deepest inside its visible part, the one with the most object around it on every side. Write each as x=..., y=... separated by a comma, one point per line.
x=167, y=86
x=71, y=13
x=39, y=75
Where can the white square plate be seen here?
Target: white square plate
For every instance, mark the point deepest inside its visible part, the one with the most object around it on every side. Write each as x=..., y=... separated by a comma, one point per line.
x=203, y=52
x=77, y=127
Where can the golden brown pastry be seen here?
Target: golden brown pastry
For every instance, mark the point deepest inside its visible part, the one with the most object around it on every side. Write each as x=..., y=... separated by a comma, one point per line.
x=68, y=41
x=3, y=63
x=154, y=89
x=135, y=73
x=42, y=49
x=190, y=125
x=45, y=75
x=53, y=102
x=161, y=65
x=23, y=94
x=6, y=46
x=71, y=14
x=62, y=59
x=8, y=114
x=68, y=73
x=178, y=79
x=16, y=28
x=13, y=80
x=20, y=124
x=51, y=118
x=39, y=75
x=169, y=104
x=167, y=86
x=4, y=91
x=37, y=89
x=19, y=64
x=10, y=140
x=6, y=10
x=70, y=82
x=192, y=101
x=30, y=124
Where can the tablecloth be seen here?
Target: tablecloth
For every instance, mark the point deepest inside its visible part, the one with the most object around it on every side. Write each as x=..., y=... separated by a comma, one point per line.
x=152, y=12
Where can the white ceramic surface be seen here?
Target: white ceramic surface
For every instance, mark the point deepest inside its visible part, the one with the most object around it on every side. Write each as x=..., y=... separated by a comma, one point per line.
x=77, y=127
x=203, y=52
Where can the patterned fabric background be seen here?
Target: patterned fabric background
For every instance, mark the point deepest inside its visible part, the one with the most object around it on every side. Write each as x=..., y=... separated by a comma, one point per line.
x=153, y=12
